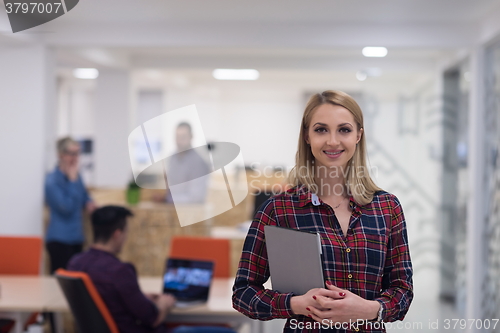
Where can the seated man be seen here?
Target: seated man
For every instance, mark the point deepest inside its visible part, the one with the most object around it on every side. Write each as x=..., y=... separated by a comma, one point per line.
x=116, y=281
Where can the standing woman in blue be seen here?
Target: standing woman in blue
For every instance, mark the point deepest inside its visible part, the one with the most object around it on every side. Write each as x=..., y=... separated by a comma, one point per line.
x=366, y=259
x=66, y=196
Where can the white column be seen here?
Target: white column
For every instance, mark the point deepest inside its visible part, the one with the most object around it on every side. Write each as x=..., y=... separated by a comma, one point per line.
x=475, y=209
x=27, y=100
x=112, y=127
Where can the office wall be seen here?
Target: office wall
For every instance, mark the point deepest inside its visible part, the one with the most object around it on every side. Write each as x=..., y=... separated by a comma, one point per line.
x=26, y=93
x=263, y=116
x=76, y=109
x=112, y=122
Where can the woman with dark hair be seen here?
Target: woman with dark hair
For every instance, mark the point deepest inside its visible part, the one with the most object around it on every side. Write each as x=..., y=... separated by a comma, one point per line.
x=366, y=259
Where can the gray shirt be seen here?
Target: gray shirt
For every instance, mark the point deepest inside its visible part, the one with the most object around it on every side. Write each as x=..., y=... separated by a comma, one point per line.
x=188, y=172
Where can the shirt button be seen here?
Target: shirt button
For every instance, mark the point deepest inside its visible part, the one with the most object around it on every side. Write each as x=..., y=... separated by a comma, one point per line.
x=349, y=276
x=348, y=250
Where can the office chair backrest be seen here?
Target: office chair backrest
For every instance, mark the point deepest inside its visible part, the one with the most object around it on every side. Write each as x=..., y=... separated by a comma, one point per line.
x=203, y=248
x=87, y=306
x=20, y=255
x=6, y=325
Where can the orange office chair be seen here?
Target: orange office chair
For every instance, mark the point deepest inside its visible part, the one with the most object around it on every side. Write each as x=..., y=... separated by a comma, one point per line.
x=20, y=255
x=203, y=248
x=87, y=306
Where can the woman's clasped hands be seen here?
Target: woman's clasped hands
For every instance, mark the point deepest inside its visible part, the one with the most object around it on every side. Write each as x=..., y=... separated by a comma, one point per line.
x=334, y=304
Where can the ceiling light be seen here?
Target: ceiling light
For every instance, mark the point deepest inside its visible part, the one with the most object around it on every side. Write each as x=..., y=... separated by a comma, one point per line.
x=374, y=51
x=361, y=76
x=85, y=73
x=235, y=74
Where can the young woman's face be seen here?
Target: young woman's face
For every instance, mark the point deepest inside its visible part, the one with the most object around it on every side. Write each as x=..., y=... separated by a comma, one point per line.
x=333, y=135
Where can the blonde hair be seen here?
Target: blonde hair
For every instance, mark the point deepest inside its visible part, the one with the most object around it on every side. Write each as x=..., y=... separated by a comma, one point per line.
x=361, y=186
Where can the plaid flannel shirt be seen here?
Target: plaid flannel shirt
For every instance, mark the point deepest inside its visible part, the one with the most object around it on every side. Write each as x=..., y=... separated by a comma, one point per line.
x=372, y=260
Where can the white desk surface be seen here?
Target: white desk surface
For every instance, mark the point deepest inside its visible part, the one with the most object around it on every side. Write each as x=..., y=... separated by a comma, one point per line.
x=27, y=293
x=24, y=294
x=219, y=299
x=42, y=293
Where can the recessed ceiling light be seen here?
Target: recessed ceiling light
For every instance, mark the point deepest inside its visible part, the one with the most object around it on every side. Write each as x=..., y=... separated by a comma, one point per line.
x=85, y=73
x=235, y=74
x=361, y=76
x=374, y=51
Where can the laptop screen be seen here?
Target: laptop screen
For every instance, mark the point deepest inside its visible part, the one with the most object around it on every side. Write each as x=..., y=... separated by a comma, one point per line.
x=188, y=280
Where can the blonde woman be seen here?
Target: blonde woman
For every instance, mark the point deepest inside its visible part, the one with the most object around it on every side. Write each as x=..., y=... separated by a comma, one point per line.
x=367, y=265
x=67, y=198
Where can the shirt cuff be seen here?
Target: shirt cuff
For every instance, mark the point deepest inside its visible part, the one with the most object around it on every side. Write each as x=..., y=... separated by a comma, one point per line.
x=383, y=302
x=282, y=307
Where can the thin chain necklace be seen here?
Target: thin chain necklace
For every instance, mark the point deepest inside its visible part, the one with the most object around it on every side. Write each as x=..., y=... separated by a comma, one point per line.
x=339, y=204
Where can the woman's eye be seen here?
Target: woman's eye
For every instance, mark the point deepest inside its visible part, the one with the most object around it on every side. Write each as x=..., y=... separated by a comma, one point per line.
x=345, y=130
x=320, y=129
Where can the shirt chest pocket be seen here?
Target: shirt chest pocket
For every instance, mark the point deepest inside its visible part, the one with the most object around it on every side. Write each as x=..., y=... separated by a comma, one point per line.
x=371, y=249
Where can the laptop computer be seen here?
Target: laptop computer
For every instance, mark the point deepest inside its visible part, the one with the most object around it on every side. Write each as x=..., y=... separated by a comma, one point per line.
x=295, y=261
x=188, y=280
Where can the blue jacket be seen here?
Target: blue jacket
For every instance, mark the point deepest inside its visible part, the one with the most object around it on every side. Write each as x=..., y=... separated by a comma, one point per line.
x=66, y=200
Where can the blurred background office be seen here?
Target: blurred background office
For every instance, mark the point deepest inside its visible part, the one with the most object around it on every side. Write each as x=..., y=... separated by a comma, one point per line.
x=431, y=101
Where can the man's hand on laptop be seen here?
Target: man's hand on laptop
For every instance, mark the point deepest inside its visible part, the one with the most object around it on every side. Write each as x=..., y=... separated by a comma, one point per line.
x=152, y=297
x=164, y=303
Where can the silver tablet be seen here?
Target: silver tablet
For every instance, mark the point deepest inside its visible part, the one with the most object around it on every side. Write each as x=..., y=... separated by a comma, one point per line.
x=294, y=259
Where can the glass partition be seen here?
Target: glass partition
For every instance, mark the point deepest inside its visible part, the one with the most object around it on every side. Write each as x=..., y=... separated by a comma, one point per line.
x=491, y=290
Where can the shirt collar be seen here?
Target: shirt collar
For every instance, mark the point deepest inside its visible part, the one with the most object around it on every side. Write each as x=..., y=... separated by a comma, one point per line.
x=58, y=170
x=59, y=173
x=306, y=197
x=315, y=199
x=93, y=249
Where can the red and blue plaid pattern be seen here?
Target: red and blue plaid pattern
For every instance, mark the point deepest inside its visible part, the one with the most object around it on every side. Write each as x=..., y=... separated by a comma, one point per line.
x=372, y=260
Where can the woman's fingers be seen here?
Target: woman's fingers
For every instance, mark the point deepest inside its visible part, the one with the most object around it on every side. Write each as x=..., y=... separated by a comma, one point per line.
x=332, y=287
x=313, y=316
x=335, y=294
x=317, y=314
x=325, y=302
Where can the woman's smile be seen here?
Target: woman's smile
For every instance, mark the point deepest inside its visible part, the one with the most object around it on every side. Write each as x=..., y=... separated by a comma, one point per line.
x=333, y=154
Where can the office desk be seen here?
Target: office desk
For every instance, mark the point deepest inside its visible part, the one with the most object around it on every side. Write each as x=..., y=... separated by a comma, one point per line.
x=26, y=293
x=21, y=295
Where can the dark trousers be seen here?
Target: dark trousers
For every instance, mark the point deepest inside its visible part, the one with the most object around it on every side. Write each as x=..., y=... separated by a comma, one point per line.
x=61, y=253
